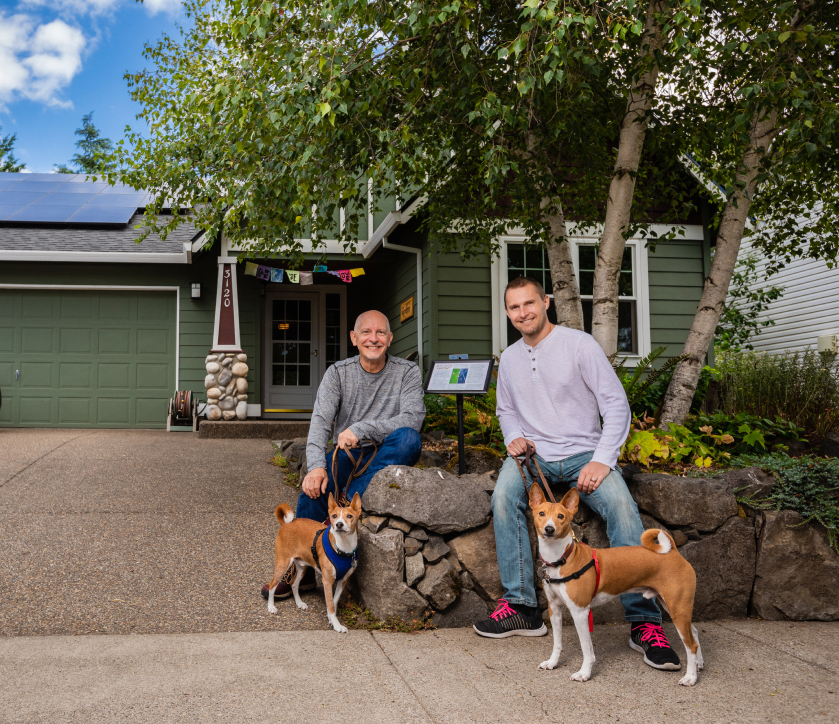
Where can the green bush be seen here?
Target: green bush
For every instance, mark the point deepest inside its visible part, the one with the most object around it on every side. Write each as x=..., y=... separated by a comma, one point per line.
x=752, y=434
x=801, y=387
x=478, y=417
x=807, y=485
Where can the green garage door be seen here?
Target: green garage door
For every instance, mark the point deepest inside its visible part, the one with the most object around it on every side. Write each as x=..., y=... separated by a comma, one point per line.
x=86, y=358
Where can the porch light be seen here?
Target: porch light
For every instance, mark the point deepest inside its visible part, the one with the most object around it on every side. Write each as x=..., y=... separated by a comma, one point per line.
x=196, y=291
x=283, y=325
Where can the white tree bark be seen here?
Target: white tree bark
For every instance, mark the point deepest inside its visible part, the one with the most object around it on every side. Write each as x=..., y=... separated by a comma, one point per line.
x=604, y=326
x=566, y=291
x=682, y=387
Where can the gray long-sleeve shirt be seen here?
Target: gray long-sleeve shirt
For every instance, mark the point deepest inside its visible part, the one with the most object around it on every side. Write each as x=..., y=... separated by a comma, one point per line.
x=552, y=393
x=372, y=405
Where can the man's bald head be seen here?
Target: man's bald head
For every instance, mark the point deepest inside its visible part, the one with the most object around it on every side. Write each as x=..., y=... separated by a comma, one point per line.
x=373, y=319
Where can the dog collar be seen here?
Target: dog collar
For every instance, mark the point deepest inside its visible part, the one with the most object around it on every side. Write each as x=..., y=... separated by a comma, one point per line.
x=562, y=561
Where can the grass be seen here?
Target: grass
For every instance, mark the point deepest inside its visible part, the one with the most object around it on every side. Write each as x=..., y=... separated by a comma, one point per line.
x=278, y=460
x=354, y=615
x=292, y=480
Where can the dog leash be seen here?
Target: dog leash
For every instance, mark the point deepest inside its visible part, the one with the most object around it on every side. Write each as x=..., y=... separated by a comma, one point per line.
x=340, y=498
x=530, y=455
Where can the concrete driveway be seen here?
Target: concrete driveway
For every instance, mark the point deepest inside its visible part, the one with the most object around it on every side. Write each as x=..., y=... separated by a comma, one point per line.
x=138, y=531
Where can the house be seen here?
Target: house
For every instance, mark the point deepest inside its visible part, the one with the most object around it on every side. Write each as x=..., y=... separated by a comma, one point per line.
x=99, y=331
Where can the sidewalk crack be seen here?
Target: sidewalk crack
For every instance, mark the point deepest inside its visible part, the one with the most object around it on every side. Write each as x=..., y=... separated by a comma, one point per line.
x=48, y=452
x=396, y=669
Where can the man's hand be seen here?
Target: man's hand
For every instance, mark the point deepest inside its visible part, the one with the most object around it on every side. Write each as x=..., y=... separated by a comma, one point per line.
x=347, y=440
x=591, y=476
x=519, y=446
x=315, y=482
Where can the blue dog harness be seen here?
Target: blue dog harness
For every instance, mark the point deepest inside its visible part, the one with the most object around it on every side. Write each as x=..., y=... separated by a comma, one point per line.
x=343, y=562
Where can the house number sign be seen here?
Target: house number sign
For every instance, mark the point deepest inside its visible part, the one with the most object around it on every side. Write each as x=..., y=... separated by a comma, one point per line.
x=226, y=337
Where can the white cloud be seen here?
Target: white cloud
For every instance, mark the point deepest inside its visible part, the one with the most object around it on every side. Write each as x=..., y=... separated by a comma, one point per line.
x=38, y=60
x=170, y=7
x=74, y=7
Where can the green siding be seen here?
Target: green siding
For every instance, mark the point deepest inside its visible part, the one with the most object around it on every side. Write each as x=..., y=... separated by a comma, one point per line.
x=463, y=318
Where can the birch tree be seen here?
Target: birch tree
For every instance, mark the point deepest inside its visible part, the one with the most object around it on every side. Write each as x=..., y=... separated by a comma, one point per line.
x=766, y=119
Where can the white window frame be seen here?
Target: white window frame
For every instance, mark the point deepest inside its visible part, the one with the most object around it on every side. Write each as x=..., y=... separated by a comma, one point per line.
x=641, y=284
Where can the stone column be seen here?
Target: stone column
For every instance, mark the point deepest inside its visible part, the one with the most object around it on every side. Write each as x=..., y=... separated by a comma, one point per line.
x=227, y=388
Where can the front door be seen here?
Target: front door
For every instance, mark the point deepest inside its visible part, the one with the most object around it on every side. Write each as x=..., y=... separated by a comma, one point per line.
x=292, y=369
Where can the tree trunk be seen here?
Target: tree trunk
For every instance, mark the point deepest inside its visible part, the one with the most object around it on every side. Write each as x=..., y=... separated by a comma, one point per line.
x=569, y=308
x=682, y=387
x=604, y=325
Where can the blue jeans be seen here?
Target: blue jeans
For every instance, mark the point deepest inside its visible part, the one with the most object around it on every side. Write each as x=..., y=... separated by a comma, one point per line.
x=611, y=501
x=401, y=447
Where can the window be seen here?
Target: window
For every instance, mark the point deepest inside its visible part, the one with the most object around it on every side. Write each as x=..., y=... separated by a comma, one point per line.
x=532, y=261
x=333, y=328
x=292, y=339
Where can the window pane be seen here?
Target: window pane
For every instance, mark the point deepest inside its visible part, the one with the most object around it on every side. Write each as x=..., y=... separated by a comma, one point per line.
x=305, y=332
x=587, y=315
x=586, y=282
x=303, y=353
x=587, y=257
x=333, y=318
x=292, y=331
x=333, y=352
x=515, y=256
x=625, y=284
x=626, y=327
x=533, y=258
x=278, y=354
x=332, y=334
x=626, y=264
x=303, y=376
x=291, y=308
x=291, y=375
x=277, y=375
x=514, y=274
x=333, y=301
x=279, y=308
x=305, y=311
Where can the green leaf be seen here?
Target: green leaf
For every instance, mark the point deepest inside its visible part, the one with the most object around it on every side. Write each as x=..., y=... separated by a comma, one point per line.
x=783, y=37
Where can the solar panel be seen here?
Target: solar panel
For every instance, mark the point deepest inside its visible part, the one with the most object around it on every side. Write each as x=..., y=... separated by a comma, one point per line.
x=117, y=200
x=6, y=182
x=51, y=214
x=6, y=210
x=35, y=186
x=76, y=188
x=18, y=197
x=62, y=199
x=103, y=215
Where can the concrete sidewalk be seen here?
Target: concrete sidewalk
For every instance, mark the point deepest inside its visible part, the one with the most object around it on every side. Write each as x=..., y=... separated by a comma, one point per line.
x=755, y=672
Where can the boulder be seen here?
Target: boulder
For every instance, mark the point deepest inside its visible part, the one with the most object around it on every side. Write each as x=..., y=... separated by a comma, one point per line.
x=431, y=459
x=414, y=569
x=429, y=498
x=400, y=524
x=213, y=412
x=374, y=523
x=241, y=385
x=210, y=381
x=698, y=502
x=418, y=533
x=466, y=610
x=679, y=537
x=228, y=414
x=440, y=585
x=298, y=449
x=434, y=549
x=213, y=393
x=797, y=571
x=594, y=533
x=748, y=481
x=240, y=369
x=412, y=547
x=242, y=357
x=649, y=522
x=830, y=445
x=466, y=582
x=212, y=368
x=225, y=377
x=485, y=481
x=476, y=552
x=242, y=410
x=379, y=579
x=452, y=558
x=725, y=570
x=228, y=403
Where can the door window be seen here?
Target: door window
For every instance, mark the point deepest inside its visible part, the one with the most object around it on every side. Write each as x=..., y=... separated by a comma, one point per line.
x=291, y=334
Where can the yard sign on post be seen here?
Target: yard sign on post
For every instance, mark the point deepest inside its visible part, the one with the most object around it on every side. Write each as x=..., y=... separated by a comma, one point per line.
x=461, y=377
x=226, y=330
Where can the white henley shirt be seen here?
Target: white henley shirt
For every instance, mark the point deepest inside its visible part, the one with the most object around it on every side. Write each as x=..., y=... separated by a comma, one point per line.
x=555, y=393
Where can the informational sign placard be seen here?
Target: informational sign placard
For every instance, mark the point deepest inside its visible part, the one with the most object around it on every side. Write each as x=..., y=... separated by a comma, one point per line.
x=470, y=377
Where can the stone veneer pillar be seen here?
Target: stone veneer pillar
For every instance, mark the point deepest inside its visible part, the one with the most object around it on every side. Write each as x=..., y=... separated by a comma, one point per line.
x=227, y=388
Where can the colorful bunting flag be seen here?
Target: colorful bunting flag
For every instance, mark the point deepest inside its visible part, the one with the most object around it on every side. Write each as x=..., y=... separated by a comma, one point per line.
x=319, y=268
x=333, y=273
x=250, y=269
x=357, y=272
x=345, y=275
x=293, y=276
x=263, y=272
x=276, y=275
x=306, y=278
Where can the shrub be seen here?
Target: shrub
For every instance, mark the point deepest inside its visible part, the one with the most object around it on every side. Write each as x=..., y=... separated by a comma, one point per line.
x=801, y=387
x=807, y=485
x=754, y=434
x=478, y=417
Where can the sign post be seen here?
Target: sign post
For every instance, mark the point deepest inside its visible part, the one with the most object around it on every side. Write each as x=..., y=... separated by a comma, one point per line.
x=459, y=377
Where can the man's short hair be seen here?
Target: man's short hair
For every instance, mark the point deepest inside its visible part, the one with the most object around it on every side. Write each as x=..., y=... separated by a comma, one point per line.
x=520, y=282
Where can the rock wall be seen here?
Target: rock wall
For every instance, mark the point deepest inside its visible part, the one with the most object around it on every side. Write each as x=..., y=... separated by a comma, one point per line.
x=227, y=388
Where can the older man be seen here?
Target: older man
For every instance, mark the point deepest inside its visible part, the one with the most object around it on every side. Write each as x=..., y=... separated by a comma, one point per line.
x=554, y=385
x=372, y=396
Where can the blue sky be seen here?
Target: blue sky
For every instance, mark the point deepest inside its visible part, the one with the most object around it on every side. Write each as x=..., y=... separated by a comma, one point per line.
x=60, y=59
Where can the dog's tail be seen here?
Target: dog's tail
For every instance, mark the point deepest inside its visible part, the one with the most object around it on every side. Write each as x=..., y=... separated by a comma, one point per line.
x=658, y=541
x=284, y=513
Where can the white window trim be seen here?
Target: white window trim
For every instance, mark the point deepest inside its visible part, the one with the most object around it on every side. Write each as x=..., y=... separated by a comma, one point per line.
x=498, y=278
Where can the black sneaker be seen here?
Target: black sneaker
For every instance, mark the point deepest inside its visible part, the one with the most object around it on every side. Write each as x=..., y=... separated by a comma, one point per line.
x=650, y=640
x=284, y=586
x=505, y=621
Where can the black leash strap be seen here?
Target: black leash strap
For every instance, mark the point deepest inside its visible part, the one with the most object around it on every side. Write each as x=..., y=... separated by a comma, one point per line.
x=530, y=456
x=341, y=498
x=572, y=577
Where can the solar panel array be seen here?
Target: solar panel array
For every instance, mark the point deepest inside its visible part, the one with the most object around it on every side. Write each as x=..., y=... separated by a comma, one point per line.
x=54, y=198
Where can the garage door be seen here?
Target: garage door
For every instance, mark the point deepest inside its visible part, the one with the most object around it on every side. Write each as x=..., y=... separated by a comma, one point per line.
x=86, y=358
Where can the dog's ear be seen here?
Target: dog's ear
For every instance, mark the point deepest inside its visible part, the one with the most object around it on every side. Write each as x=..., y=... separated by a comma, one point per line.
x=537, y=497
x=355, y=504
x=332, y=504
x=571, y=500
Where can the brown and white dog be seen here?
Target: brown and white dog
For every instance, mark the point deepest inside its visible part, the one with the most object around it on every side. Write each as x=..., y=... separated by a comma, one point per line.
x=295, y=541
x=655, y=568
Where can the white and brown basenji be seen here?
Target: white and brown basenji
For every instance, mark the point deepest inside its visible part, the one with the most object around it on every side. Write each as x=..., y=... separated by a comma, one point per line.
x=579, y=577
x=331, y=550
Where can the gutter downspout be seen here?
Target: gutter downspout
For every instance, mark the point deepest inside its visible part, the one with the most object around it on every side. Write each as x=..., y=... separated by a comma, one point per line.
x=418, y=252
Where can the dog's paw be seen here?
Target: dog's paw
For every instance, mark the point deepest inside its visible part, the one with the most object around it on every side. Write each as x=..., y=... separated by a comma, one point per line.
x=688, y=680
x=580, y=676
x=549, y=664
x=339, y=628
x=302, y=605
x=272, y=609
